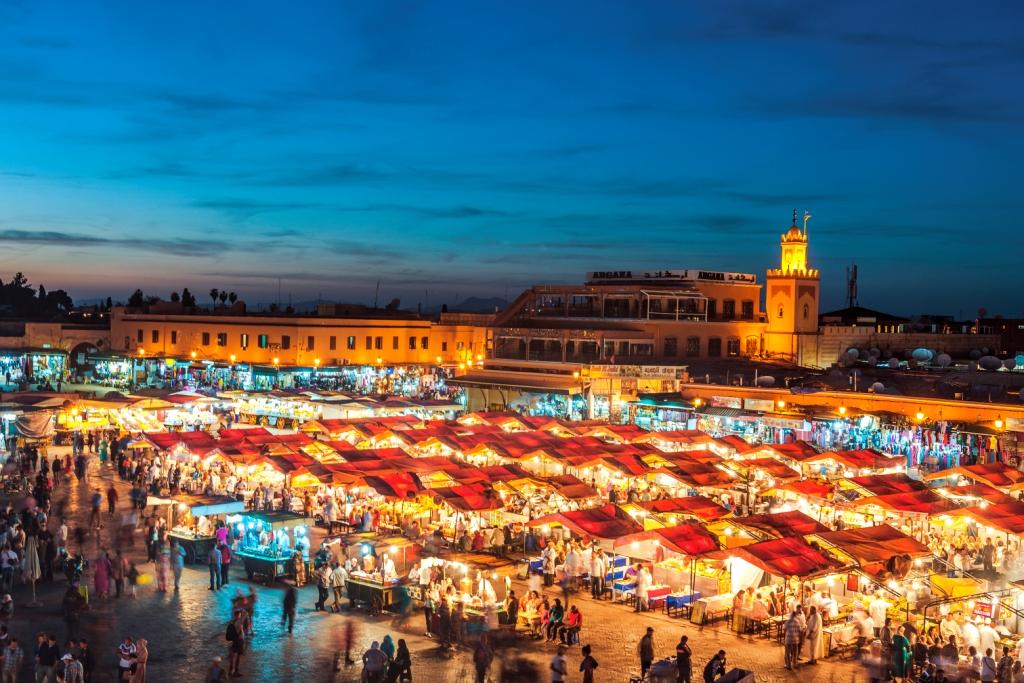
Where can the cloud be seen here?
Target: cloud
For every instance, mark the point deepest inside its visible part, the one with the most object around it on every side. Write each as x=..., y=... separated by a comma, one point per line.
x=201, y=248
x=431, y=212
x=240, y=208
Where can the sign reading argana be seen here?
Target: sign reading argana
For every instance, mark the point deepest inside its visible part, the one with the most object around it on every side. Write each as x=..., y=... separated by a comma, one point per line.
x=688, y=275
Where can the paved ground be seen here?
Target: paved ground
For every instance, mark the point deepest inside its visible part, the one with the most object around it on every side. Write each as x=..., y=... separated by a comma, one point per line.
x=186, y=629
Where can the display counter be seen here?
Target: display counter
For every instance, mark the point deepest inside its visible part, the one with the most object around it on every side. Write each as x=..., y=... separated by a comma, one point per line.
x=196, y=546
x=266, y=563
x=268, y=541
x=373, y=592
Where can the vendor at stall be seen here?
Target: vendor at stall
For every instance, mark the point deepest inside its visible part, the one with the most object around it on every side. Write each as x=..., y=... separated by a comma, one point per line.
x=387, y=568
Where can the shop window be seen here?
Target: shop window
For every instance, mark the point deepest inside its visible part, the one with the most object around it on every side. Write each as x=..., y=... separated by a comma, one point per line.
x=140, y=336
x=310, y=343
x=714, y=347
x=369, y=343
x=412, y=343
x=222, y=339
x=174, y=337
x=712, y=309
x=671, y=347
x=692, y=347
x=752, y=346
x=748, y=310
x=332, y=343
x=378, y=343
x=262, y=341
x=729, y=309
x=206, y=338
x=423, y=342
x=243, y=341
x=394, y=343
x=350, y=343
x=286, y=341
x=444, y=346
x=732, y=347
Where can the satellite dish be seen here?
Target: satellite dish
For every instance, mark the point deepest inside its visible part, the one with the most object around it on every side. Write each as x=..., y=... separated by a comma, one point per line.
x=921, y=355
x=989, y=363
x=943, y=360
x=765, y=381
x=853, y=353
x=878, y=387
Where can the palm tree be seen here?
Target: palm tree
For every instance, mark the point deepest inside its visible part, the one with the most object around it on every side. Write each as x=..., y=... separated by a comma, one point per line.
x=213, y=295
x=232, y=297
x=223, y=297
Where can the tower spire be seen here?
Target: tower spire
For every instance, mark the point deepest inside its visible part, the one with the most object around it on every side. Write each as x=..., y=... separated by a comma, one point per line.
x=807, y=217
x=794, y=218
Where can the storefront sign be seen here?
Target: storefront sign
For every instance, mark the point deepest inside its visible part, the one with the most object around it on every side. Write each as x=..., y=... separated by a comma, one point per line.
x=727, y=402
x=639, y=371
x=786, y=423
x=687, y=275
x=763, y=405
x=987, y=608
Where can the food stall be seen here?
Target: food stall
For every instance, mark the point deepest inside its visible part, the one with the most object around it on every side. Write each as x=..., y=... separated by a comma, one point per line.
x=375, y=583
x=601, y=525
x=268, y=541
x=196, y=519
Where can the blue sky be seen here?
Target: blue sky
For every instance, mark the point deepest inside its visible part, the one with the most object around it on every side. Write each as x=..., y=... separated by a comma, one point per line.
x=456, y=149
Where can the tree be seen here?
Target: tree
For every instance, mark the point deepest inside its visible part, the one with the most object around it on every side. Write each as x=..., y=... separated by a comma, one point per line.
x=187, y=300
x=213, y=295
x=42, y=293
x=137, y=299
x=232, y=297
x=223, y=297
x=110, y=303
x=175, y=297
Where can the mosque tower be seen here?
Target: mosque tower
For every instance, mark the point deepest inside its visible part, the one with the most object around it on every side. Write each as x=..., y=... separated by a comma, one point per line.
x=791, y=299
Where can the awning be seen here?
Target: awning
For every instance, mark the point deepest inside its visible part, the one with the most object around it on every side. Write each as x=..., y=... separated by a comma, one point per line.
x=1006, y=517
x=605, y=522
x=781, y=524
x=791, y=556
x=689, y=539
x=211, y=505
x=697, y=506
x=874, y=544
x=719, y=411
x=996, y=474
x=518, y=381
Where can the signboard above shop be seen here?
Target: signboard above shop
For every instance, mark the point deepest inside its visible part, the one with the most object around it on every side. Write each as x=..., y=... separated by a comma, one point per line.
x=668, y=276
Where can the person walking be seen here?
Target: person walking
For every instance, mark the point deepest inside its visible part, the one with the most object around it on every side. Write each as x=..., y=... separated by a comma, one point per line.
x=70, y=669
x=645, y=649
x=813, y=635
x=338, y=578
x=598, y=570
x=684, y=664
x=125, y=659
x=216, y=672
x=101, y=574
x=793, y=634
x=111, y=499
x=588, y=665
x=46, y=659
x=141, y=661
x=225, y=564
x=900, y=655
x=117, y=571
x=483, y=655
x=177, y=562
x=401, y=666
x=291, y=600
x=12, y=661
x=214, y=558
x=323, y=583
x=236, y=636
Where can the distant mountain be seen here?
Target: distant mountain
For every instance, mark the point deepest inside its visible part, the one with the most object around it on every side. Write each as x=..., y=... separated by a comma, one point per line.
x=474, y=304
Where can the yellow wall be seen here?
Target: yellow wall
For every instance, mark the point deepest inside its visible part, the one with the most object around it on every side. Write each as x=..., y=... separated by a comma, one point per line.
x=180, y=335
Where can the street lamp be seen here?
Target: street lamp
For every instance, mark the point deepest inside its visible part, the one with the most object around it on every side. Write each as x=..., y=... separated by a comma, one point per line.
x=232, y=358
x=999, y=422
x=919, y=416
x=781, y=404
x=842, y=410
x=193, y=354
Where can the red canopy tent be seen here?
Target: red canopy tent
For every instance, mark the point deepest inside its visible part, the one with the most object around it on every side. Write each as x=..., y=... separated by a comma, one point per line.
x=861, y=459
x=925, y=502
x=791, y=556
x=883, y=484
x=395, y=485
x=997, y=474
x=689, y=538
x=780, y=524
x=812, y=488
x=1006, y=517
x=700, y=507
x=873, y=546
x=605, y=523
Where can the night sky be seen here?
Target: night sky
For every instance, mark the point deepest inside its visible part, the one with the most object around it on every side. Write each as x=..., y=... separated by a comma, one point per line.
x=458, y=149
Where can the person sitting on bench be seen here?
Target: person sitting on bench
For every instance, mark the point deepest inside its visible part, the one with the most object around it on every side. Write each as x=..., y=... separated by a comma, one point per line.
x=570, y=628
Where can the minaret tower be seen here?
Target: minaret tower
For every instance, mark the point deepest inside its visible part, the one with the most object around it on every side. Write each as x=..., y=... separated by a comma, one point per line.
x=792, y=299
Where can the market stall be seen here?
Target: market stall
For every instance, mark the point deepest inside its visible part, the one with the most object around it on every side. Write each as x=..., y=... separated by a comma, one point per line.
x=602, y=525
x=196, y=521
x=269, y=542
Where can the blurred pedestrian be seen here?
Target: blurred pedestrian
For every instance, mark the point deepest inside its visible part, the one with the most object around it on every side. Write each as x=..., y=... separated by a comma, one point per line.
x=291, y=599
x=645, y=649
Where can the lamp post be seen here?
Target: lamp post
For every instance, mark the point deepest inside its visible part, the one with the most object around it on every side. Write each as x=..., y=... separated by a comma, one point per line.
x=277, y=368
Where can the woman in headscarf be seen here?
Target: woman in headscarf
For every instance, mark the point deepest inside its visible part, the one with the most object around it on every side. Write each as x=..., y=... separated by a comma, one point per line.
x=900, y=655
x=141, y=659
x=101, y=574
x=374, y=663
x=163, y=569
x=400, y=668
x=813, y=635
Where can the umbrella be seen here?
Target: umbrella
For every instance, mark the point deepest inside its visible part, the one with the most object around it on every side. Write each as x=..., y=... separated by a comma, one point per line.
x=33, y=572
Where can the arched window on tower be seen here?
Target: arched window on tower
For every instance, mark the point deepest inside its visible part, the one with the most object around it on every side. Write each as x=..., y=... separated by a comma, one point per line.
x=782, y=311
x=807, y=311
